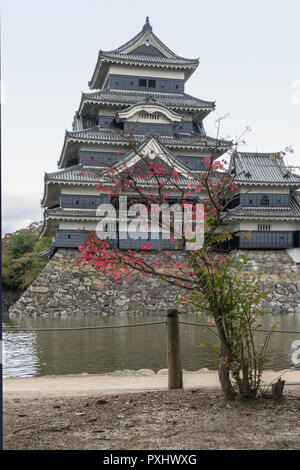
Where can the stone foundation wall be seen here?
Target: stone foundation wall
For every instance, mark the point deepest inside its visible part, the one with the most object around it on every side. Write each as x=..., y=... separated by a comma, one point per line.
x=64, y=289
x=9, y=297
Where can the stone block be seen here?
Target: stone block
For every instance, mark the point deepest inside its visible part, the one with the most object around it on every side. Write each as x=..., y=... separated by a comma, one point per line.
x=40, y=290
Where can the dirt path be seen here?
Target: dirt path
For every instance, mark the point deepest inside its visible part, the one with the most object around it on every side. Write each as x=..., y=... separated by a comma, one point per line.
x=178, y=420
x=120, y=381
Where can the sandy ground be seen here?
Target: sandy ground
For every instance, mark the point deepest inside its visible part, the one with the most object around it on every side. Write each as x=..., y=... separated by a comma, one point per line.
x=111, y=412
x=85, y=384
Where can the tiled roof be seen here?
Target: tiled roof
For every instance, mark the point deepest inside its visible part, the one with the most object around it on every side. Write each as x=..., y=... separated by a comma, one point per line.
x=133, y=51
x=195, y=139
x=70, y=213
x=173, y=100
x=155, y=59
x=296, y=196
x=267, y=212
x=75, y=173
x=262, y=168
x=146, y=28
x=78, y=174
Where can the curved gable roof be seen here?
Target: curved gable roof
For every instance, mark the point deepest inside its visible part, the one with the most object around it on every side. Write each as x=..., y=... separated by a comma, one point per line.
x=148, y=38
x=146, y=49
x=149, y=107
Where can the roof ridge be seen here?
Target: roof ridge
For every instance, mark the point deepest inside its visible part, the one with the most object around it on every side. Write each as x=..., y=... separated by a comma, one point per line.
x=146, y=27
x=62, y=170
x=102, y=130
x=123, y=94
x=150, y=58
x=257, y=154
x=161, y=93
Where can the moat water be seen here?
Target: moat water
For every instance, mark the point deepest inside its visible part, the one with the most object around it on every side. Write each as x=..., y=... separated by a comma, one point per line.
x=28, y=354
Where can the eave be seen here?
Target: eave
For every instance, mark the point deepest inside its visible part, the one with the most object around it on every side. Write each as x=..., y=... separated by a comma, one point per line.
x=268, y=183
x=76, y=141
x=90, y=104
x=102, y=68
x=72, y=139
x=51, y=194
x=50, y=228
x=251, y=218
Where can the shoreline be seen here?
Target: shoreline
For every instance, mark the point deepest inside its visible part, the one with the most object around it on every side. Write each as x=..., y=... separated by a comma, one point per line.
x=122, y=382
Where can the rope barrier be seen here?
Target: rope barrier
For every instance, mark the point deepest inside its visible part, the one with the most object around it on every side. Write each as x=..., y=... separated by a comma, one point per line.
x=15, y=328
x=206, y=325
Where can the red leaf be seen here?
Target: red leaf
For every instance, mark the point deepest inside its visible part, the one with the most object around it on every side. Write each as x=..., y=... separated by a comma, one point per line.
x=101, y=402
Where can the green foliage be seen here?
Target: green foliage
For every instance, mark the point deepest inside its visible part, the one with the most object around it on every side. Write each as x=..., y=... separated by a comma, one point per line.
x=19, y=274
x=42, y=244
x=21, y=261
x=21, y=242
x=10, y=275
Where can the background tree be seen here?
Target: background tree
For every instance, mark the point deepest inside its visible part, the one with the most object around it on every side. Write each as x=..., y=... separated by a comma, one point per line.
x=21, y=260
x=21, y=242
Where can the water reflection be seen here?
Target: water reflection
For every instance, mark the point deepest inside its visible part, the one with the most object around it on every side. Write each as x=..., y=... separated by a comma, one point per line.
x=98, y=351
x=19, y=354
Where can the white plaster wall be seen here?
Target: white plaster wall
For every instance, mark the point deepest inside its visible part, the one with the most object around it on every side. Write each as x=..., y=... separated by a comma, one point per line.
x=190, y=153
x=187, y=116
x=147, y=71
x=75, y=225
x=107, y=111
x=81, y=190
x=103, y=148
x=252, y=225
x=263, y=189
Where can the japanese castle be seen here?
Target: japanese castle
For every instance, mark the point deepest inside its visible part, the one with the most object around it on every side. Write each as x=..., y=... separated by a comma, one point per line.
x=141, y=85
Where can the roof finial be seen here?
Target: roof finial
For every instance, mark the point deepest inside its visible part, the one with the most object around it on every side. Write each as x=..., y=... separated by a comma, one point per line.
x=147, y=25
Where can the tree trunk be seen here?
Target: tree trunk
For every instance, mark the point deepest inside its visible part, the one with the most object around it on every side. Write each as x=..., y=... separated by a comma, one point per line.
x=224, y=358
x=224, y=378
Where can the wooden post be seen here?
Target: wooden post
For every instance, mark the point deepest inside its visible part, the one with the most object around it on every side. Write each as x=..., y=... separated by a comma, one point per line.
x=174, y=359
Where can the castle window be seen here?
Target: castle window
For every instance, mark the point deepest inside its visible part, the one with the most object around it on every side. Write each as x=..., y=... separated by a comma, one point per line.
x=149, y=116
x=152, y=83
x=265, y=201
x=264, y=227
x=142, y=82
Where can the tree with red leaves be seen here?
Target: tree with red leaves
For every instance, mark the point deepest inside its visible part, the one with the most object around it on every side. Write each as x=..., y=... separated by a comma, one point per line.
x=214, y=282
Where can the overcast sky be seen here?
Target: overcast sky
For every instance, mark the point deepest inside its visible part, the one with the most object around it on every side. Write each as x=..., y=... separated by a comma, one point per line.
x=249, y=64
